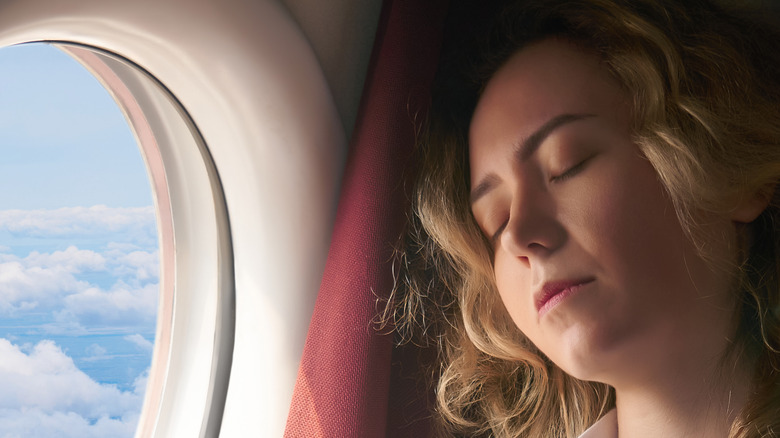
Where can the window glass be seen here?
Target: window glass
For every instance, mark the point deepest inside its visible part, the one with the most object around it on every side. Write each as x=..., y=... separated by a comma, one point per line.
x=79, y=268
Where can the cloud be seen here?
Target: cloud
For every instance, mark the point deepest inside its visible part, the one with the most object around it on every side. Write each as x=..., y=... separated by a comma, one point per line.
x=46, y=378
x=111, y=286
x=55, y=283
x=140, y=266
x=35, y=423
x=44, y=394
x=120, y=306
x=95, y=351
x=23, y=286
x=41, y=281
x=138, y=222
x=72, y=260
x=140, y=342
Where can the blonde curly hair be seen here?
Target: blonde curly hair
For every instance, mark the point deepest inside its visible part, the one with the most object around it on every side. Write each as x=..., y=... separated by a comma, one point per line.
x=705, y=84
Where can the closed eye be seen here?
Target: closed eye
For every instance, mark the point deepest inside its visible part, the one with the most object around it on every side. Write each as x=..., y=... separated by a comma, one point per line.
x=569, y=173
x=572, y=171
x=497, y=235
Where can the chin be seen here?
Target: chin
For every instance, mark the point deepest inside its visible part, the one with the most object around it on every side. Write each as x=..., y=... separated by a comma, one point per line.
x=590, y=353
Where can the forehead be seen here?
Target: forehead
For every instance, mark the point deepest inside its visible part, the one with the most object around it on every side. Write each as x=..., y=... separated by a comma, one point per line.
x=541, y=81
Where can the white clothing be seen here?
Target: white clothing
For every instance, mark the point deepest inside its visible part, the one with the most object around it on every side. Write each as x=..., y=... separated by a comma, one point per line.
x=606, y=427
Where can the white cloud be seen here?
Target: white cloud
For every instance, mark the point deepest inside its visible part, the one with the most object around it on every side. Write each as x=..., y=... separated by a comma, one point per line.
x=72, y=260
x=27, y=287
x=120, y=306
x=140, y=342
x=141, y=266
x=138, y=222
x=52, y=282
x=44, y=394
x=35, y=423
x=47, y=379
x=42, y=280
x=95, y=351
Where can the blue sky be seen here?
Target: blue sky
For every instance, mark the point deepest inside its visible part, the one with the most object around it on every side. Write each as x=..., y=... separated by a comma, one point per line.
x=62, y=137
x=78, y=253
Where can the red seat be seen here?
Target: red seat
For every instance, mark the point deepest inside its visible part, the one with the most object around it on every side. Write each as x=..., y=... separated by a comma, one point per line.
x=346, y=385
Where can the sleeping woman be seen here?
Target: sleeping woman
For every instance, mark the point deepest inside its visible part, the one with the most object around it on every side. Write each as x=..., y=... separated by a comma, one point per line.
x=594, y=241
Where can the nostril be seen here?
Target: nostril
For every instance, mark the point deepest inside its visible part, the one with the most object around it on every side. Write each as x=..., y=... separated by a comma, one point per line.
x=524, y=260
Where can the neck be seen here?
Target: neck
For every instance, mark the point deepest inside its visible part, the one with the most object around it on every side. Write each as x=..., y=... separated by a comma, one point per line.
x=701, y=402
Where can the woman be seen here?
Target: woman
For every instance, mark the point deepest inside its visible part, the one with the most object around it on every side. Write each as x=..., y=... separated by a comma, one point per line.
x=594, y=234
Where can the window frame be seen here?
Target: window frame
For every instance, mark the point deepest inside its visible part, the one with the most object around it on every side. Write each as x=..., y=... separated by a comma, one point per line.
x=195, y=330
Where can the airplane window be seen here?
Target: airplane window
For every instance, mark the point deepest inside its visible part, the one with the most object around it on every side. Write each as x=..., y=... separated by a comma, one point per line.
x=79, y=257
x=233, y=110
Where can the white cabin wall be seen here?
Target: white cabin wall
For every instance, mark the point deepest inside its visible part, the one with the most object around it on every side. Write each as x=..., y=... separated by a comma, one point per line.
x=342, y=35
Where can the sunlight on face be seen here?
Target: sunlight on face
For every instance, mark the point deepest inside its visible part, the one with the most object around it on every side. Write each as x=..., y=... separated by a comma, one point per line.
x=590, y=259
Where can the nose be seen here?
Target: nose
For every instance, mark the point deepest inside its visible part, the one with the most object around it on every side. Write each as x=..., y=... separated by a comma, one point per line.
x=533, y=230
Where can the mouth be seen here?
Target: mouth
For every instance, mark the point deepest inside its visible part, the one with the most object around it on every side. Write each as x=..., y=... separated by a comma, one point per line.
x=554, y=292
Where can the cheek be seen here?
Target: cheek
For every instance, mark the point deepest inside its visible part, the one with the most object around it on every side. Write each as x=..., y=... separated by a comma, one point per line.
x=641, y=243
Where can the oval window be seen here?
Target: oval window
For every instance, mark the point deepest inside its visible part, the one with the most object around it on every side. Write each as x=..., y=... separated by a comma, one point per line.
x=79, y=257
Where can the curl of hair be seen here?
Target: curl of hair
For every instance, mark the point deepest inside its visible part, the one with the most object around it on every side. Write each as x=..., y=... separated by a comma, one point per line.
x=705, y=85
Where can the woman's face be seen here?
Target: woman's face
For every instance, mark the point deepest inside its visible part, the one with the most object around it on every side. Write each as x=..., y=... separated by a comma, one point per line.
x=590, y=259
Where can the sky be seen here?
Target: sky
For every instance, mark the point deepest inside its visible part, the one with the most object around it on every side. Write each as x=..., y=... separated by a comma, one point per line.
x=79, y=262
x=54, y=116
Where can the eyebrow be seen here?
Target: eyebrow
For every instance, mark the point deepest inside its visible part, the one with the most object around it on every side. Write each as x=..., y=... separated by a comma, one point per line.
x=525, y=149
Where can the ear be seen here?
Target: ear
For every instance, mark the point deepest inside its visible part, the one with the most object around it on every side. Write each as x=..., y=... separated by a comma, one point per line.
x=750, y=207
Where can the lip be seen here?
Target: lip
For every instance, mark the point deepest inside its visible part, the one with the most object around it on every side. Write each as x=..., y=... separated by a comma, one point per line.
x=553, y=292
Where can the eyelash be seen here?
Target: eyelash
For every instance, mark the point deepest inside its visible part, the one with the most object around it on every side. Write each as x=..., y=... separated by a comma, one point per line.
x=494, y=238
x=572, y=171
x=569, y=173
